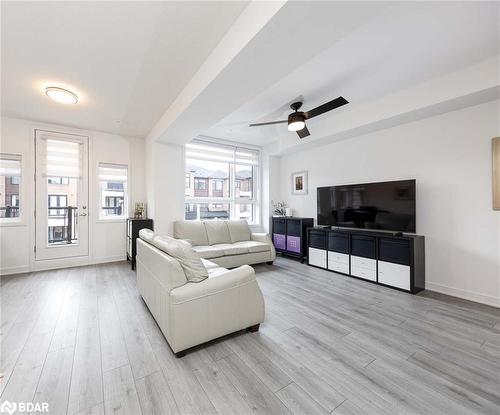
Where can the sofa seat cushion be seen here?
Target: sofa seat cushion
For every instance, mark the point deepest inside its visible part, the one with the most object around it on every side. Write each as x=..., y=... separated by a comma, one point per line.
x=231, y=249
x=207, y=252
x=239, y=230
x=253, y=246
x=217, y=232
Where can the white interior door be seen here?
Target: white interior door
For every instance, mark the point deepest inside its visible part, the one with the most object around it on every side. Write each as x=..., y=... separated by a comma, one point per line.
x=61, y=211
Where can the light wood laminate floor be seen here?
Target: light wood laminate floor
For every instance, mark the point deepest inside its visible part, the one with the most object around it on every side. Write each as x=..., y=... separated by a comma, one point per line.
x=83, y=340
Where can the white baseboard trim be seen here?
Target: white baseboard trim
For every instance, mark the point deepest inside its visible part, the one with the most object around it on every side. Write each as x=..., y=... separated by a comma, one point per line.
x=114, y=258
x=58, y=264
x=464, y=294
x=15, y=270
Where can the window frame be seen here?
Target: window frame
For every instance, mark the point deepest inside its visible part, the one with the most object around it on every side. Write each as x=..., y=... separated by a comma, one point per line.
x=231, y=200
x=101, y=197
x=19, y=219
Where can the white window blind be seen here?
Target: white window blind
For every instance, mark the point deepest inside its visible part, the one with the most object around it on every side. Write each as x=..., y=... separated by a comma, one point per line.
x=63, y=159
x=10, y=165
x=202, y=150
x=112, y=172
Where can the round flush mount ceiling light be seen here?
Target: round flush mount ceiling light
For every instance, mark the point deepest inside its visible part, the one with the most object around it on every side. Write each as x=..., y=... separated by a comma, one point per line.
x=61, y=95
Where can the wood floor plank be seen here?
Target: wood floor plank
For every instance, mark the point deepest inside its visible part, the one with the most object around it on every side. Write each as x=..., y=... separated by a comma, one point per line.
x=186, y=389
x=120, y=395
x=270, y=374
x=257, y=396
x=221, y=392
x=155, y=395
x=298, y=401
x=95, y=410
x=348, y=408
x=324, y=394
x=86, y=389
x=53, y=387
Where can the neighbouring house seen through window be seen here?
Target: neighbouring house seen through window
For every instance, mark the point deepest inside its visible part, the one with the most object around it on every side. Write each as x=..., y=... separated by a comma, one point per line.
x=10, y=185
x=225, y=182
x=113, y=191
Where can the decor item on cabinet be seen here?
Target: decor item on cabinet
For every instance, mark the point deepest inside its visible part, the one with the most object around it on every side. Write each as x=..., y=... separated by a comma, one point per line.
x=496, y=172
x=288, y=212
x=140, y=211
x=134, y=225
x=299, y=183
x=289, y=235
x=380, y=257
x=279, y=208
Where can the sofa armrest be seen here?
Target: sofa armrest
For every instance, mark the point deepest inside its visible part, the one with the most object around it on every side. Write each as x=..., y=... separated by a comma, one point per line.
x=222, y=282
x=264, y=237
x=261, y=237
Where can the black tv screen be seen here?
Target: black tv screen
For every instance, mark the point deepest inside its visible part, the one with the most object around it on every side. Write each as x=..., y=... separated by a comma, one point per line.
x=388, y=206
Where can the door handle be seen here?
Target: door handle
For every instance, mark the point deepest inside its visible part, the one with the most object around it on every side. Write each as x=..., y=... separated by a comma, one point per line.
x=82, y=214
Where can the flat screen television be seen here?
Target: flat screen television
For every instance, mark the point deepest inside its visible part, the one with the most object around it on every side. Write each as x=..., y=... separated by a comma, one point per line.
x=388, y=206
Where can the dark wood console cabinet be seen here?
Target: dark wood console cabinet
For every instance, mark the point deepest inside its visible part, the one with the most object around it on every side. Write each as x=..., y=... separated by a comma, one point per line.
x=396, y=261
x=133, y=228
x=289, y=235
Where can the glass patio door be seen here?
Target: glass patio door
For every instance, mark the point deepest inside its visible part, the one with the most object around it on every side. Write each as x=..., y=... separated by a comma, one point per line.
x=61, y=212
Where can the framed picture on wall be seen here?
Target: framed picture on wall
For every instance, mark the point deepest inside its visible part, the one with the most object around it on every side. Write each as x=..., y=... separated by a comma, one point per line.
x=299, y=183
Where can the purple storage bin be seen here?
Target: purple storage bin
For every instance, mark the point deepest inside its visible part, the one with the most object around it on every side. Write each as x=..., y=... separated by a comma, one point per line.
x=279, y=241
x=293, y=244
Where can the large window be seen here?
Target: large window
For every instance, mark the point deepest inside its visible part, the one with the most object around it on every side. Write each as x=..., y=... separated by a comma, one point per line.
x=113, y=191
x=10, y=185
x=225, y=182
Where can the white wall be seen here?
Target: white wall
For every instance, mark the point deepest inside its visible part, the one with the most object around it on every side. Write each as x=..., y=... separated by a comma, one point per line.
x=107, y=239
x=165, y=173
x=450, y=157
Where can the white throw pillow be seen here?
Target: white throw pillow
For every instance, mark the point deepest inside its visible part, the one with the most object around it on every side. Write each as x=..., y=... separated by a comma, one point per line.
x=182, y=251
x=217, y=232
x=239, y=230
x=147, y=235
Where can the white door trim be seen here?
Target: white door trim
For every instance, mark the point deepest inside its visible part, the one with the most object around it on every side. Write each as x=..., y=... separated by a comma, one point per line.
x=64, y=254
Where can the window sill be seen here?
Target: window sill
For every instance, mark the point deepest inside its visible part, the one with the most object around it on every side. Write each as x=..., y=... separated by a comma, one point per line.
x=115, y=220
x=12, y=222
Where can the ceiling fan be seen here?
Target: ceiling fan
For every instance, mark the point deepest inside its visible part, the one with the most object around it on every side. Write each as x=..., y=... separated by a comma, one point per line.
x=297, y=119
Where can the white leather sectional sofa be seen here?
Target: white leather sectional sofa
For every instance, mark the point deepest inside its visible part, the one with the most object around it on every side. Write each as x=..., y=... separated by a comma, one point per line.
x=190, y=313
x=228, y=243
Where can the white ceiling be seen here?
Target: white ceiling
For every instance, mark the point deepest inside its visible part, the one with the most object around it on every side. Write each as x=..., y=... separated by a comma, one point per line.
x=127, y=61
x=397, y=47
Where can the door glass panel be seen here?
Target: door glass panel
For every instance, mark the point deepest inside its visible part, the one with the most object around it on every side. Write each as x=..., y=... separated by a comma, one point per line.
x=63, y=185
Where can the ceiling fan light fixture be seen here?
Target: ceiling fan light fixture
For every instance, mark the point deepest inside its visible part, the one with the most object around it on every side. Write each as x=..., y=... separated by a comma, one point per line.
x=61, y=95
x=296, y=121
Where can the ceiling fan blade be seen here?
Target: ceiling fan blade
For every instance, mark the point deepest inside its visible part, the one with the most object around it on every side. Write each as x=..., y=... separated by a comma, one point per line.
x=267, y=123
x=335, y=103
x=303, y=133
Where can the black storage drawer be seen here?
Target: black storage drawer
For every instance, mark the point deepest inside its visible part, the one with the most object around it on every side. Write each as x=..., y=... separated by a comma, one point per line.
x=293, y=227
x=364, y=246
x=279, y=226
x=394, y=250
x=338, y=242
x=317, y=239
